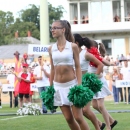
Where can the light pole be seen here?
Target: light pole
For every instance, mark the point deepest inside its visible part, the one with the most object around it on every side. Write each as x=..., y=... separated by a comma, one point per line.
x=44, y=22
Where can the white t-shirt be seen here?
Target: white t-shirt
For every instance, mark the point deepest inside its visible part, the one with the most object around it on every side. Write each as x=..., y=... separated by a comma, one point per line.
x=45, y=80
x=11, y=78
x=126, y=73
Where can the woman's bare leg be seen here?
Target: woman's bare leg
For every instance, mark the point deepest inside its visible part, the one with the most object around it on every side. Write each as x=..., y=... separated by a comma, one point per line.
x=78, y=115
x=88, y=113
x=66, y=110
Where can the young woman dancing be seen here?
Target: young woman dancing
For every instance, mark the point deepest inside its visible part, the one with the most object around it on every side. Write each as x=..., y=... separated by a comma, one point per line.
x=85, y=58
x=63, y=77
x=98, y=99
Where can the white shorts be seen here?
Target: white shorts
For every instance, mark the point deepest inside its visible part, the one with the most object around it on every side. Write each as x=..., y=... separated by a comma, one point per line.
x=61, y=92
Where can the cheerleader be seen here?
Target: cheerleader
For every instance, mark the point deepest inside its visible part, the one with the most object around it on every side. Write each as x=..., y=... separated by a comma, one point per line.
x=85, y=58
x=63, y=77
x=98, y=99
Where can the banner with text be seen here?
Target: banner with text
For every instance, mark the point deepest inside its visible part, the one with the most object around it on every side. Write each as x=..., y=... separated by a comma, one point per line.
x=33, y=87
x=7, y=87
x=38, y=49
x=122, y=83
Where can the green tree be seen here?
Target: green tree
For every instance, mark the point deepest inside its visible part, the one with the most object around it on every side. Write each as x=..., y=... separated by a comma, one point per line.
x=22, y=28
x=6, y=19
x=31, y=14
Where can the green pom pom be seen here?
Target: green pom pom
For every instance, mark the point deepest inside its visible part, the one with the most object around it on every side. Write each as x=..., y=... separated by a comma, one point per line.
x=80, y=96
x=92, y=82
x=48, y=97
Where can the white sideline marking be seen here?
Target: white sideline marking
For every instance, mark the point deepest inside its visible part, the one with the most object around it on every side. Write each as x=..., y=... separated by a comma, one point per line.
x=13, y=118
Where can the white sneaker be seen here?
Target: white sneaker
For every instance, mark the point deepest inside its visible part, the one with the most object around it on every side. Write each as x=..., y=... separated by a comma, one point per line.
x=0, y=106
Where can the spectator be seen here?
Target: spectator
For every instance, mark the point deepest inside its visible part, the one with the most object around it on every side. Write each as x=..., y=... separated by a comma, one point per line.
x=86, y=19
x=115, y=76
x=32, y=79
x=4, y=70
x=42, y=74
x=83, y=20
x=128, y=17
x=24, y=86
x=122, y=57
x=11, y=80
x=116, y=18
x=75, y=20
x=120, y=89
x=126, y=76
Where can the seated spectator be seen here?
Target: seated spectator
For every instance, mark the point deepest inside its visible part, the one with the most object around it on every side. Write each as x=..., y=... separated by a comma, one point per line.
x=122, y=57
x=128, y=17
x=86, y=19
x=83, y=20
x=116, y=18
x=75, y=20
x=4, y=70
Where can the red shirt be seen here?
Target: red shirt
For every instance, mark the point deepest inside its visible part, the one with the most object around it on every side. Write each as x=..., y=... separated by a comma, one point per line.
x=24, y=87
x=94, y=51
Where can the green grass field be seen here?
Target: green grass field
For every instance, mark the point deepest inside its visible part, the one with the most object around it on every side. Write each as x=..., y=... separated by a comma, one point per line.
x=57, y=122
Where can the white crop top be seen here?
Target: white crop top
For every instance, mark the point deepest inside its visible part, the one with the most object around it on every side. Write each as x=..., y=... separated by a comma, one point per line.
x=83, y=62
x=62, y=58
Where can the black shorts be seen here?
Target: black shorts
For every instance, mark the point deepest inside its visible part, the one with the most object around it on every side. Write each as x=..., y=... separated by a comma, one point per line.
x=25, y=95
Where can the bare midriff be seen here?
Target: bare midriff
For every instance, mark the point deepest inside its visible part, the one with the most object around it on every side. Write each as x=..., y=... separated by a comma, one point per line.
x=64, y=73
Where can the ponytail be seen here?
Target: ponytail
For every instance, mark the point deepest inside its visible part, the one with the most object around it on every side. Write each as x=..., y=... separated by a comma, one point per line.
x=83, y=41
x=87, y=43
x=102, y=49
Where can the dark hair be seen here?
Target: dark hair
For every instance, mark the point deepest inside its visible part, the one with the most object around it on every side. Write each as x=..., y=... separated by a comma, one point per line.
x=102, y=49
x=39, y=56
x=12, y=67
x=83, y=41
x=68, y=35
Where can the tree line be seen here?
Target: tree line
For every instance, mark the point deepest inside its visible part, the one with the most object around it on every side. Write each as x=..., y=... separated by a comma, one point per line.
x=28, y=20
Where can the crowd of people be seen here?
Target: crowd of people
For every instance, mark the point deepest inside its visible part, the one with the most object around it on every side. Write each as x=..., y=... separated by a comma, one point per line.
x=68, y=63
x=85, y=19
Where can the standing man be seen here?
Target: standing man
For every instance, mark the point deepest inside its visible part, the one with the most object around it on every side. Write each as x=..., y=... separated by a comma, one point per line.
x=11, y=80
x=125, y=70
x=42, y=74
